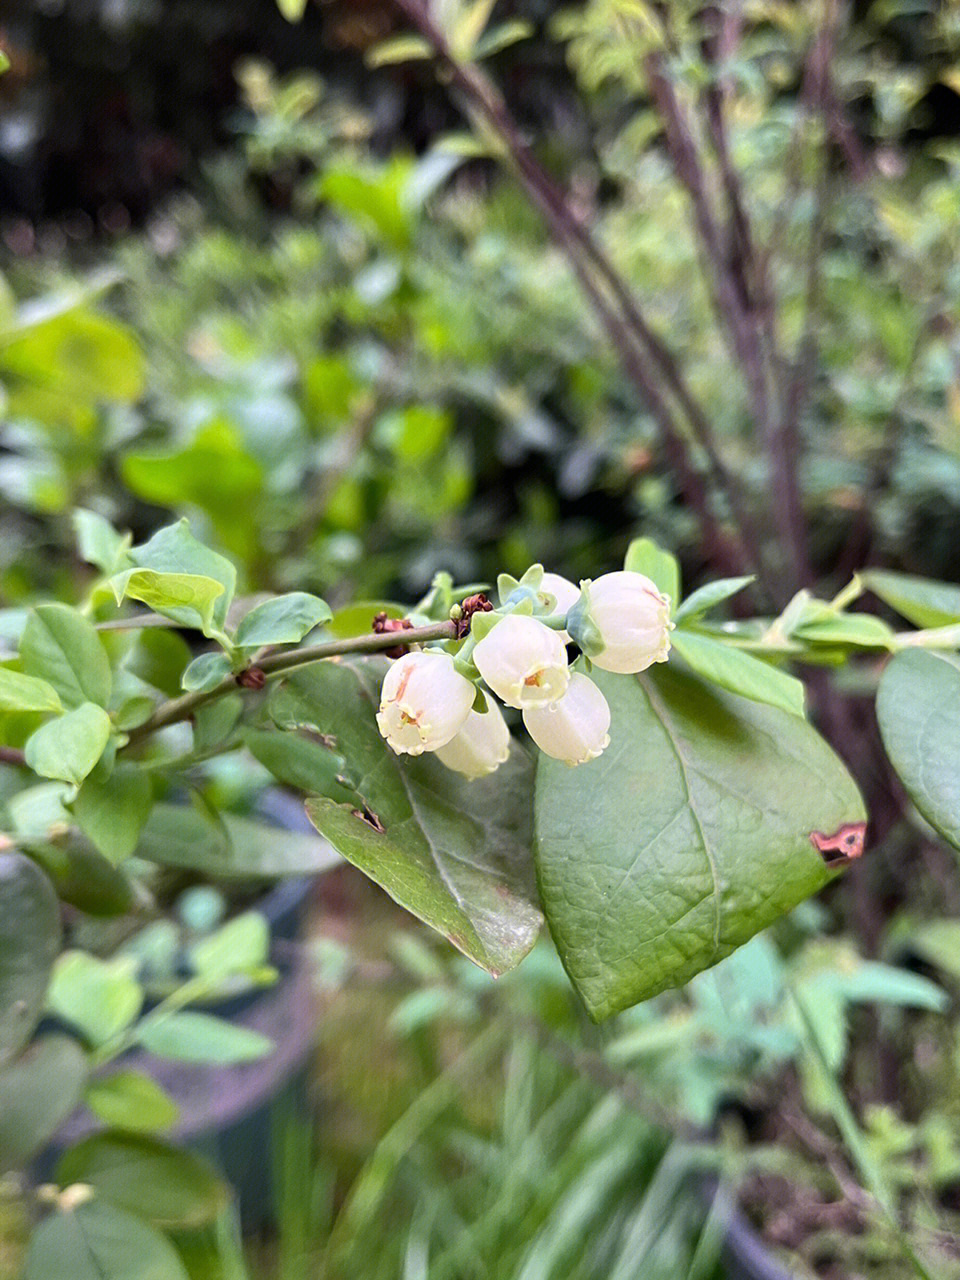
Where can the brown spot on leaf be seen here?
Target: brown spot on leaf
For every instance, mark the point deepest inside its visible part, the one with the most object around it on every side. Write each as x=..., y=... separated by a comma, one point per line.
x=844, y=845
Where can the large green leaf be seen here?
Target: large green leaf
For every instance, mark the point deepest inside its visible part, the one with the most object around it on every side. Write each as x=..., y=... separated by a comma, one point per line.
x=918, y=706
x=740, y=672
x=69, y=747
x=300, y=762
x=174, y=550
x=29, y=941
x=187, y=598
x=283, y=620
x=112, y=810
x=690, y=834
x=97, y=1241
x=39, y=1090
x=170, y=1188
x=920, y=601
x=60, y=645
x=181, y=836
x=455, y=853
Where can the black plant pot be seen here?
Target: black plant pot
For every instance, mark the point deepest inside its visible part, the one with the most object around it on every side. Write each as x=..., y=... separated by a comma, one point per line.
x=226, y=1112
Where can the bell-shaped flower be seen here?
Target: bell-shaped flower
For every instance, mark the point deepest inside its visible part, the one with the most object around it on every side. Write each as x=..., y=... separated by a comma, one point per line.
x=632, y=619
x=482, y=745
x=565, y=592
x=523, y=661
x=576, y=728
x=424, y=702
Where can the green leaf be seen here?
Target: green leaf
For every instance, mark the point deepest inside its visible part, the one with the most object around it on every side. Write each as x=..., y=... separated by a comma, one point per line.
x=918, y=707
x=300, y=763
x=399, y=49
x=60, y=646
x=709, y=596
x=920, y=601
x=26, y=693
x=644, y=556
x=938, y=942
x=97, y=1241
x=200, y=1037
x=456, y=854
x=740, y=672
x=241, y=944
x=98, y=541
x=133, y=1101
x=861, y=630
x=292, y=10
x=4, y=62
x=101, y=998
x=214, y=722
x=83, y=877
x=159, y=659
x=39, y=1090
x=29, y=941
x=181, y=836
x=69, y=747
x=168, y=1187
x=283, y=620
x=688, y=836
x=174, y=550
x=206, y=672
x=501, y=37
x=188, y=598
x=112, y=810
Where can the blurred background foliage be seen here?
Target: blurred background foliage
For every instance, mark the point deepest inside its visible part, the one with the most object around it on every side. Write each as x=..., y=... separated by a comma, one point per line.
x=249, y=278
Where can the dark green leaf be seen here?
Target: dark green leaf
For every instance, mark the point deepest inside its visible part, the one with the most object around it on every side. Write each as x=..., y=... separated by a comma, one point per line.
x=689, y=835
x=200, y=1037
x=283, y=620
x=918, y=707
x=159, y=659
x=111, y=810
x=456, y=854
x=300, y=763
x=740, y=672
x=29, y=941
x=83, y=877
x=97, y=1241
x=133, y=1101
x=644, y=556
x=39, y=1090
x=69, y=747
x=168, y=1187
x=60, y=645
x=920, y=601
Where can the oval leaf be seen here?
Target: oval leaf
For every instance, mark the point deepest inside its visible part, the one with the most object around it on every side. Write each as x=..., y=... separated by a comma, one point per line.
x=689, y=835
x=26, y=693
x=39, y=1090
x=97, y=1241
x=740, y=672
x=920, y=601
x=200, y=1037
x=918, y=707
x=132, y=1100
x=455, y=853
x=29, y=941
x=60, y=645
x=179, y=836
x=283, y=620
x=69, y=747
x=111, y=811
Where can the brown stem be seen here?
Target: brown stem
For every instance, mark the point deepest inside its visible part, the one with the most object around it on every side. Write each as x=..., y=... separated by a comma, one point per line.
x=11, y=755
x=276, y=664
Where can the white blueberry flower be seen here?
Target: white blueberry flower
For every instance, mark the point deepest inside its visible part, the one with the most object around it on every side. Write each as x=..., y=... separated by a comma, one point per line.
x=523, y=662
x=482, y=745
x=576, y=728
x=423, y=703
x=633, y=621
x=563, y=591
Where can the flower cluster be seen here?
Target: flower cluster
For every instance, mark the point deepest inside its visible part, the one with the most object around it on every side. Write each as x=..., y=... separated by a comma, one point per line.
x=432, y=699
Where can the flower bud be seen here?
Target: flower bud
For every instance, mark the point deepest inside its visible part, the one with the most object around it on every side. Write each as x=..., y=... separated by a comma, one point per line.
x=575, y=729
x=564, y=592
x=423, y=703
x=632, y=619
x=482, y=745
x=523, y=662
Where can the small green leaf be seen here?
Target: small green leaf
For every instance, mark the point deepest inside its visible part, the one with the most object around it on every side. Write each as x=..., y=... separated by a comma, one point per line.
x=200, y=1037
x=919, y=600
x=292, y=10
x=740, y=672
x=101, y=998
x=133, y=1101
x=168, y=1187
x=502, y=37
x=644, y=556
x=918, y=708
x=174, y=550
x=187, y=598
x=83, y=877
x=159, y=659
x=112, y=810
x=4, y=62
x=26, y=693
x=399, y=49
x=241, y=944
x=60, y=645
x=29, y=941
x=98, y=541
x=39, y=1090
x=178, y=835
x=69, y=747
x=938, y=942
x=97, y=1241
x=861, y=630
x=214, y=722
x=300, y=763
x=709, y=596
x=206, y=672
x=284, y=620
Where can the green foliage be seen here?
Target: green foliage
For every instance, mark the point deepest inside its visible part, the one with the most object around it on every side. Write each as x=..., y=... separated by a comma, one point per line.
x=29, y=941
x=97, y=1241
